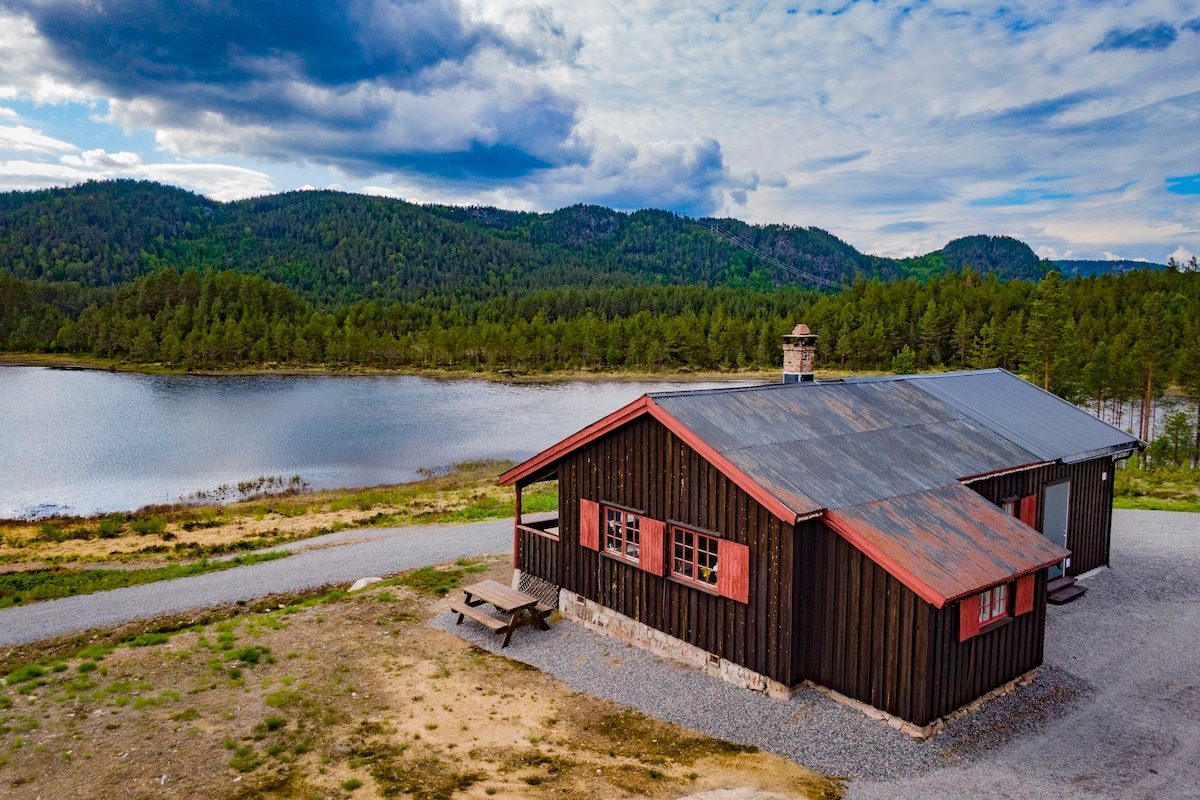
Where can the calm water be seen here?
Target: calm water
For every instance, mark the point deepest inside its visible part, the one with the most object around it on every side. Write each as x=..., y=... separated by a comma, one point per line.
x=82, y=442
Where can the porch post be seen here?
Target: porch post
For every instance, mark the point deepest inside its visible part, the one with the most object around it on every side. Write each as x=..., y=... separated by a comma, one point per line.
x=517, y=528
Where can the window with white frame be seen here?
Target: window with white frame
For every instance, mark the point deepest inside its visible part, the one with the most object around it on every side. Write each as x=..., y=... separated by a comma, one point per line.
x=993, y=604
x=622, y=533
x=694, y=556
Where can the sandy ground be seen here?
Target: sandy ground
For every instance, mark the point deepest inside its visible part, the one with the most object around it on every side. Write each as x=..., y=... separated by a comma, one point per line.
x=349, y=698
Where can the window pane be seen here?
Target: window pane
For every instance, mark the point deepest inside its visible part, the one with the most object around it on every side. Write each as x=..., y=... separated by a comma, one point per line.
x=684, y=556
x=612, y=530
x=706, y=559
x=985, y=606
x=999, y=601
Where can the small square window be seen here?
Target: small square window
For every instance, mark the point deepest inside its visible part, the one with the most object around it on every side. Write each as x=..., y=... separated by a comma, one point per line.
x=622, y=533
x=993, y=604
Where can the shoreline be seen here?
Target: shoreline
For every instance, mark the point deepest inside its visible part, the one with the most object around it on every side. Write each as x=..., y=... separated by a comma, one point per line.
x=56, y=361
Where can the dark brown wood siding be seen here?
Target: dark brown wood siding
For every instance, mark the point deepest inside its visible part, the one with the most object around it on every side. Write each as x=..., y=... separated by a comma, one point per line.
x=644, y=466
x=867, y=633
x=962, y=671
x=1089, y=519
x=539, y=555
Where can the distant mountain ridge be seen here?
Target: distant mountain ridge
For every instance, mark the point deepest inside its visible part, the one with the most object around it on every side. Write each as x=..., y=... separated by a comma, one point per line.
x=336, y=247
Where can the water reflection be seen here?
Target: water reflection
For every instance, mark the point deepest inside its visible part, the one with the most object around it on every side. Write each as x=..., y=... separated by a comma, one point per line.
x=85, y=441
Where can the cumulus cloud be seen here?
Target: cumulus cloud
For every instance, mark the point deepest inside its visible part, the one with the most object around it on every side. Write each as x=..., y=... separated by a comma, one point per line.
x=1156, y=36
x=368, y=86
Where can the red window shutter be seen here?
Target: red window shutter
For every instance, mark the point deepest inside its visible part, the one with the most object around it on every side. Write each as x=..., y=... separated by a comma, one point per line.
x=1029, y=510
x=1024, y=602
x=652, y=557
x=589, y=524
x=733, y=570
x=968, y=617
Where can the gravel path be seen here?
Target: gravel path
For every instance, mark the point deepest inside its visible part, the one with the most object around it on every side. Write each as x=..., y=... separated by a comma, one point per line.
x=1114, y=713
x=334, y=558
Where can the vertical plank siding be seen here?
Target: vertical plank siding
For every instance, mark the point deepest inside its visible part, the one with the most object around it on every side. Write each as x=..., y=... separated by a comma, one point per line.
x=867, y=634
x=1089, y=518
x=962, y=671
x=644, y=466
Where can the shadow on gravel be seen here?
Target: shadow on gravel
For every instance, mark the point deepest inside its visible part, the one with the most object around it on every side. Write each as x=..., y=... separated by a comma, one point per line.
x=1051, y=695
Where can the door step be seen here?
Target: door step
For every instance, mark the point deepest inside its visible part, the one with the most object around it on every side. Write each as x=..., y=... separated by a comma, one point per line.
x=1063, y=590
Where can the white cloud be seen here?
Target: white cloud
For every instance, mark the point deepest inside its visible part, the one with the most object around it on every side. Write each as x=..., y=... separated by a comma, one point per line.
x=99, y=159
x=1182, y=255
x=22, y=138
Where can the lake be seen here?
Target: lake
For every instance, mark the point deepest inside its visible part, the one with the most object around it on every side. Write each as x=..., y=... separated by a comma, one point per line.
x=85, y=442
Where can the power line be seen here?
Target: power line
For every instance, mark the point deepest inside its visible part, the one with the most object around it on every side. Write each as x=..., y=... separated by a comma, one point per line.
x=774, y=262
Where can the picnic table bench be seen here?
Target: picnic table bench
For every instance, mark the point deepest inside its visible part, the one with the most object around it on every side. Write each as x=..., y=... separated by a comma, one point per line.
x=511, y=602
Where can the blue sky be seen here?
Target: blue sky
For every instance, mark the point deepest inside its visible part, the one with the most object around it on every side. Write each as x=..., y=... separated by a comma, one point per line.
x=1073, y=125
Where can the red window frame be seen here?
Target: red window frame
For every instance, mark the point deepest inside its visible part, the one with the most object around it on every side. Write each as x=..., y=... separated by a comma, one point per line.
x=993, y=604
x=622, y=533
x=694, y=557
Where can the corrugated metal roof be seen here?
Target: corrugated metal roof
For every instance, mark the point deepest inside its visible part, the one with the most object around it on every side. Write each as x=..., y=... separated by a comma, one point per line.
x=945, y=543
x=1031, y=418
x=816, y=446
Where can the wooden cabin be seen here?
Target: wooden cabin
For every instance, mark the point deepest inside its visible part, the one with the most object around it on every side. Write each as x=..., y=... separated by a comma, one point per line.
x=890, y=539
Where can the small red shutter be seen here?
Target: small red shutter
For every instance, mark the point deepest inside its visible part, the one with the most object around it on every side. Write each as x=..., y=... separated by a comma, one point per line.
x=589, y=524
x=1024, y=602
x=652, y=555
x=733, y=570
x=968, y=617
x=1029, y=510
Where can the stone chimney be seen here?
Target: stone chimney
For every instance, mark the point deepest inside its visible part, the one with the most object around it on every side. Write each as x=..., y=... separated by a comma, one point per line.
x=799, y=354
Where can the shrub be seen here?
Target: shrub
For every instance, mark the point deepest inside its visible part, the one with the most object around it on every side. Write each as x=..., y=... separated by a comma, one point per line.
x=148, y=639
x=25, y=673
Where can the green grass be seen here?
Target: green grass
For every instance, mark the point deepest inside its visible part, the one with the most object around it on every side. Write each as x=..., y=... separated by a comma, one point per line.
x=20, y=588
x=1156, y=504
x=437, y=581
x=1162, y=489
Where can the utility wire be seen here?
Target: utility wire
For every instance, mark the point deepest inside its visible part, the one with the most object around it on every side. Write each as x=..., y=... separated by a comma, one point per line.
x=774, y=262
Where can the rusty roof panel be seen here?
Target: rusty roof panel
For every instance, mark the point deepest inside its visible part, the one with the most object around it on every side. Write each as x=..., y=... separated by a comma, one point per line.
x=1036, y=420
x=946, y=542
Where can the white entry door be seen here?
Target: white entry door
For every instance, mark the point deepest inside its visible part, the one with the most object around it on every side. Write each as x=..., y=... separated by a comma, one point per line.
x=1054, y=518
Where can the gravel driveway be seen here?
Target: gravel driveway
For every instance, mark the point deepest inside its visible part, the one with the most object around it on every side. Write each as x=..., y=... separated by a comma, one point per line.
x=333, y=558
x=1114, y=713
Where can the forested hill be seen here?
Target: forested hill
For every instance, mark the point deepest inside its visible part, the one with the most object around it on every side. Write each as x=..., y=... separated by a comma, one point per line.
x=336, y=248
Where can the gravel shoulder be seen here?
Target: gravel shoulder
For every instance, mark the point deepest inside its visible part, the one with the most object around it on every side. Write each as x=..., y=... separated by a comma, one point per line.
x=334, y=558
x=1114, y=712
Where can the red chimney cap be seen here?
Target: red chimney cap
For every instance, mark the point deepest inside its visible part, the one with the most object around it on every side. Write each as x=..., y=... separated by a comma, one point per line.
x=801, y=330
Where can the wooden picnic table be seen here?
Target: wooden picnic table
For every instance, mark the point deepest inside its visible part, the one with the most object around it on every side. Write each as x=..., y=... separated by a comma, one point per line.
x=508, y=600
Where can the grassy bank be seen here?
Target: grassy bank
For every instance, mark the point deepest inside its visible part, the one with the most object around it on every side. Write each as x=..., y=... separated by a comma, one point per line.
x=31, y=586
x=188, y=532
x=1166, y=489
x=329, y=695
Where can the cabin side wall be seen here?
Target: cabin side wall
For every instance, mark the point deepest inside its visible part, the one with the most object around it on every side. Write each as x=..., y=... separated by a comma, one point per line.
x=867, y=635
x=963, y=671
x=1089, y=519
x=645, y=467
